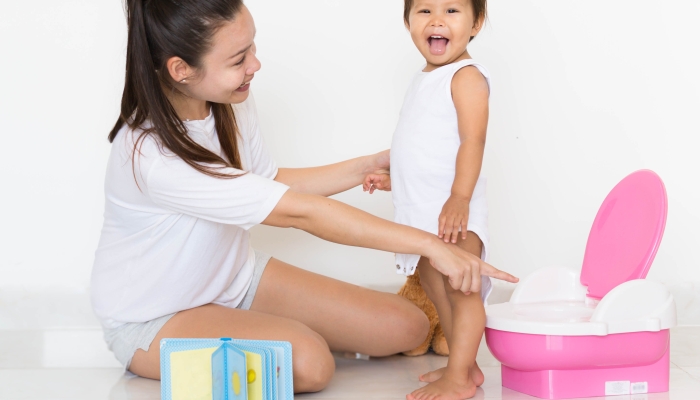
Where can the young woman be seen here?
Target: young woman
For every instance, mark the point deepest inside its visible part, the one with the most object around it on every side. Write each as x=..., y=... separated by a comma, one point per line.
x=189, y=174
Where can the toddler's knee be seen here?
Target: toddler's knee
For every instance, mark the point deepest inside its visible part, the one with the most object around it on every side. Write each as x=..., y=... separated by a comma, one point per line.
x=314, y=365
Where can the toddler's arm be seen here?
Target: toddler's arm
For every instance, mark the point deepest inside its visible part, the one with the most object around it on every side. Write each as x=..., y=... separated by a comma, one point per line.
x=470, y=94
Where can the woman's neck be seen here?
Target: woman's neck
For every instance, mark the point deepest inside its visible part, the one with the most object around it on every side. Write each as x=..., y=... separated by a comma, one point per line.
x=188, y=108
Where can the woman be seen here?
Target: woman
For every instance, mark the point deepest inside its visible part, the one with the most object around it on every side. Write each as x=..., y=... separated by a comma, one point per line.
x=188, y=175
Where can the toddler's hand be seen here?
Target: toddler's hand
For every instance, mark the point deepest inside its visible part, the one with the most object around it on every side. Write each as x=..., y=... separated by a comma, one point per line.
x=377, y=182
x=454, y=215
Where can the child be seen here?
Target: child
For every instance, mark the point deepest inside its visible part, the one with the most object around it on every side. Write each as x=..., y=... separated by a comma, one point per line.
x=436, y=158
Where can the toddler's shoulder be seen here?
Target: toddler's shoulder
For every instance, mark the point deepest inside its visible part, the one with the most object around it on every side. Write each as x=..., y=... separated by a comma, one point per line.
x=472, y=79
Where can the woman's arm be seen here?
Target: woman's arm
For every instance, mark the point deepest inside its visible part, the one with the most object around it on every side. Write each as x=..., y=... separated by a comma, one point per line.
x=335, y=178
x=337, y=222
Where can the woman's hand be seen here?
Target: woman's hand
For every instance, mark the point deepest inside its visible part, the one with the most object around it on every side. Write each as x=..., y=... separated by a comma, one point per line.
x=377, y=182
x=463, y=269
x=377, y=172
x=454, y=215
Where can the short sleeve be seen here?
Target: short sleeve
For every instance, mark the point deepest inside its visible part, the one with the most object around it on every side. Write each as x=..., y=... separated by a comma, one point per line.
x=244, y=201
x=261, y=163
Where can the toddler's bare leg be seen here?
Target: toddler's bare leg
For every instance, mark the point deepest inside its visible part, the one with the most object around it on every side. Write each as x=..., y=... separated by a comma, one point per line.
x=434, y=279
x=463, y=319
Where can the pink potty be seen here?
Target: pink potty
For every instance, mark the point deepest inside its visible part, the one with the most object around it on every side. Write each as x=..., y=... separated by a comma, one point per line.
x=605, y=332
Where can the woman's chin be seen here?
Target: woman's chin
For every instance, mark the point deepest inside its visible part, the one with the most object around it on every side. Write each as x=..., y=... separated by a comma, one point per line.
x=239, y=96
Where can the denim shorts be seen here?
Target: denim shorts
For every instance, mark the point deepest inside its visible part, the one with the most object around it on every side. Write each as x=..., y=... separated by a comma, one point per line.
x=124, y=340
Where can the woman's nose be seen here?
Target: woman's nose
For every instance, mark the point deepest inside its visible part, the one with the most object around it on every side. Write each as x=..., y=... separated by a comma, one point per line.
x=254, y=66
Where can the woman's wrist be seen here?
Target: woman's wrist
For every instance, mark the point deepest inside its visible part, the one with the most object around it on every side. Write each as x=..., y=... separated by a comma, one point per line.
x=367, y=164
x=375, y=163
x=430, y=246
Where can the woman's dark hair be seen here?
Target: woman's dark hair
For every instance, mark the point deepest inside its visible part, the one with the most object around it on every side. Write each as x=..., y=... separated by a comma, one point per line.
x=159, y=30
x=479, y=7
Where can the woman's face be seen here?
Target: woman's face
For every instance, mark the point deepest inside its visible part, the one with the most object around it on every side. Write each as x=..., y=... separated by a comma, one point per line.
x=230, y=64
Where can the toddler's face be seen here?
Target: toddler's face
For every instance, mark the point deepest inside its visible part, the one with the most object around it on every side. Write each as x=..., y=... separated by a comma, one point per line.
x=441, y=29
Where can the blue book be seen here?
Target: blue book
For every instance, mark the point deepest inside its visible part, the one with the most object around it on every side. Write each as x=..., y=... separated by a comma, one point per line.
x=226, y=369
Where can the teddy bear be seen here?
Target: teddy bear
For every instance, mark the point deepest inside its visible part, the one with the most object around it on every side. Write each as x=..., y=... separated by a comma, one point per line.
x=413, y=291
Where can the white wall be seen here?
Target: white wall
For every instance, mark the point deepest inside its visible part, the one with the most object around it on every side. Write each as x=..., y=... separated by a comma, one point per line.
x=583, y=93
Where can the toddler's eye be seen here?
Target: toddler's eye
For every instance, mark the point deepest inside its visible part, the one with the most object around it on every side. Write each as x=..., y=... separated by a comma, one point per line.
x=451, y=11
x=424, y=12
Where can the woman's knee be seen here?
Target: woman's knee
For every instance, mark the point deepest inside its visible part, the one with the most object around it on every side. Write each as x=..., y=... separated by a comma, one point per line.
x=407, y=326
x=415, y=327
x=314, y=365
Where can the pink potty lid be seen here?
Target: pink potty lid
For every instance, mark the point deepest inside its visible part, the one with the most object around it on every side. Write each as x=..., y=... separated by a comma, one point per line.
x=626, y=233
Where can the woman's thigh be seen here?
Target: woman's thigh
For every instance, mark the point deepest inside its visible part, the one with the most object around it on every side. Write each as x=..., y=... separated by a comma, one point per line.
x=349, y=318
x=312, y=362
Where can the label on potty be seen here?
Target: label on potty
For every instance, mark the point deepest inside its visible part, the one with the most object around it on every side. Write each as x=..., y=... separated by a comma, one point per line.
x=640, y=387
x=614, y=388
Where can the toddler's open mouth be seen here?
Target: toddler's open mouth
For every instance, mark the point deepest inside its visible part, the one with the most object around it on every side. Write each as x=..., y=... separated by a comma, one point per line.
x=437, y=44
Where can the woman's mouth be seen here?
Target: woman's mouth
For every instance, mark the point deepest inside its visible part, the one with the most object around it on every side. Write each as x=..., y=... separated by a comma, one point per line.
x=244, y=86
x=437, y=45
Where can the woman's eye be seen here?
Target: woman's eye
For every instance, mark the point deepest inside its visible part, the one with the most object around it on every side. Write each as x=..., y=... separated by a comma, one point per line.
x=240, y=62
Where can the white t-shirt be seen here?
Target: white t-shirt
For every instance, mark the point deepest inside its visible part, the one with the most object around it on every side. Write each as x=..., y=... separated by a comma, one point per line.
x=180, y=238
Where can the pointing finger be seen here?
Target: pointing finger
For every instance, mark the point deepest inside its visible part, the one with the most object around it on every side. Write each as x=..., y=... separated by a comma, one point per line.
x=493, y=272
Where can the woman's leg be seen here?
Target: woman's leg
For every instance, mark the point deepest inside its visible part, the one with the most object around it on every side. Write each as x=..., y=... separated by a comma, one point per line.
x=312, y=312
x=350, y=318
x=313, y=363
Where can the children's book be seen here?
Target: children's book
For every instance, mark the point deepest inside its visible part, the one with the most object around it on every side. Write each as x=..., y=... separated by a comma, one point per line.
x=225, y=369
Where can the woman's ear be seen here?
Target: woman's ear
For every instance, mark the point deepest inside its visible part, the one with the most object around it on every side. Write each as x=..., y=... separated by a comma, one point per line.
x=179, y=70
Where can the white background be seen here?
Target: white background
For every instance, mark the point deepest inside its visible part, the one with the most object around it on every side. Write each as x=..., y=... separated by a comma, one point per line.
x=584, y=92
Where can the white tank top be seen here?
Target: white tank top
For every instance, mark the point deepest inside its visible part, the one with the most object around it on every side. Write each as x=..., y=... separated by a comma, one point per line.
x=423, y=158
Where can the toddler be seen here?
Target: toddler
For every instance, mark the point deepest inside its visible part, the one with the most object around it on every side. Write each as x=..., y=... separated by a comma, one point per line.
x=436, y=157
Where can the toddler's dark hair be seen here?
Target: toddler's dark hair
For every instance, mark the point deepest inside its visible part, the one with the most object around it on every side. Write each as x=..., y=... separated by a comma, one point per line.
x=479, y=7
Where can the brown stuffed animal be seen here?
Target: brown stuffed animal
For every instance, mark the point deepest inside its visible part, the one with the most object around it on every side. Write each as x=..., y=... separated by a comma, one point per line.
x=413, y=291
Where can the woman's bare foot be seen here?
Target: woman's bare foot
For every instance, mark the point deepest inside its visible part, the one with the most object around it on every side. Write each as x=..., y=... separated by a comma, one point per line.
x=447, y=387
x=477, y=375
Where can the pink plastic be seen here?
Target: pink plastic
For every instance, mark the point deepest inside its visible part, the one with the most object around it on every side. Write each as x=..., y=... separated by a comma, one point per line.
x=621, y=247
x=626, y=233
x=560, y=367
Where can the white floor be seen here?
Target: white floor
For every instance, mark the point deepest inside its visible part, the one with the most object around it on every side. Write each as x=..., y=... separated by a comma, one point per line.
x=45, y=365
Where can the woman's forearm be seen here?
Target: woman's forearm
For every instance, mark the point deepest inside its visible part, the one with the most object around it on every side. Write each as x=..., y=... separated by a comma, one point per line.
x=335, y=178
x=337, y=222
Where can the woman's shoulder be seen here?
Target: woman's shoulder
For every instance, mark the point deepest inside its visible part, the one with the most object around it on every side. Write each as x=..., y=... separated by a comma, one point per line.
x=136, y=142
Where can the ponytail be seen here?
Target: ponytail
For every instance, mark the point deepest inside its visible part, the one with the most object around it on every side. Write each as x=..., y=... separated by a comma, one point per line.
x=157, y=31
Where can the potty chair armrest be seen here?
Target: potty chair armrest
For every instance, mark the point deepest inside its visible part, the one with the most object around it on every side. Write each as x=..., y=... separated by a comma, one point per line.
x=549, y=285
x=637, y=305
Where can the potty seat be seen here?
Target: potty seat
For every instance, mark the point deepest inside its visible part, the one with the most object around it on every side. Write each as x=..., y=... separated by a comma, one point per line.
x=604, y=331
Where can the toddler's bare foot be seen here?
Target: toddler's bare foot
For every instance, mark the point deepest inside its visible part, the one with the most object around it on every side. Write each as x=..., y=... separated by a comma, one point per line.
x=447, y=387
x=432, y=376
x=476, y=374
